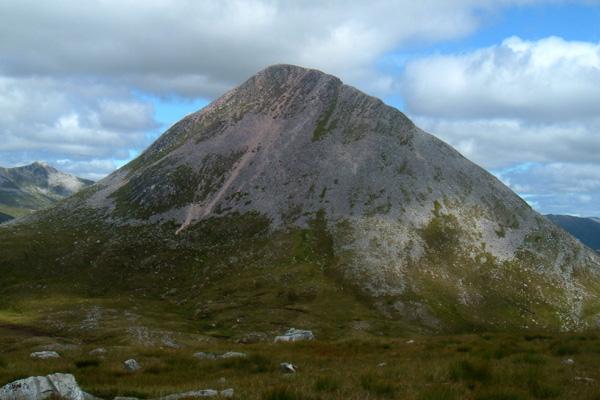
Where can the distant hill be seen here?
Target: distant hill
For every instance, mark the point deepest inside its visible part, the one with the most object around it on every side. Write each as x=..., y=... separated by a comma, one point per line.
x=587, y=230
x=5, y=217
x=34, y=187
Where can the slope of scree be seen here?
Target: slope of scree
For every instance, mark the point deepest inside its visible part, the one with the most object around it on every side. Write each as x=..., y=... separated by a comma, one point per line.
x=295, y=190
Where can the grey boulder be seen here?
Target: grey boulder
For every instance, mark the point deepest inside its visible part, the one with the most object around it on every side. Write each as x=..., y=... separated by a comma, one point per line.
x=294, y=335
x=44, y=355
x=287, y=368
x=58, y=385
x=131, y=365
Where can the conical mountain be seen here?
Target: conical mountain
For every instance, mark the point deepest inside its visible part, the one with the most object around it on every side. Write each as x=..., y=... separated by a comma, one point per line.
x=297, y=192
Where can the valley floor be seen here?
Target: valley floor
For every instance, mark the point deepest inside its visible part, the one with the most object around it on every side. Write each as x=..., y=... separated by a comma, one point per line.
x=490, y=366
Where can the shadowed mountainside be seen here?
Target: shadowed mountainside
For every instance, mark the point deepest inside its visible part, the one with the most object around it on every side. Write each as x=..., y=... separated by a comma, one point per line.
x=587, y=230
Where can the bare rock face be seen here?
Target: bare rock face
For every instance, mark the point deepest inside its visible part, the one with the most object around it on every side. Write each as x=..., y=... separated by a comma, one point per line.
x=406, y=220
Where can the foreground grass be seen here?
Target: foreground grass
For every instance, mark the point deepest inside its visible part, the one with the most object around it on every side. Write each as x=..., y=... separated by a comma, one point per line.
x=479, y=367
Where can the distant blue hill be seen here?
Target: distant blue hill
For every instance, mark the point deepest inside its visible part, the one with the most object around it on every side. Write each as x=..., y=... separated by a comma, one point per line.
x=587, y=230
x=4, y=217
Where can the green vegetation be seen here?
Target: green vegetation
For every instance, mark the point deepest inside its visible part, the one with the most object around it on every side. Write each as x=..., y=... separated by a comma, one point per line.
x=432, y=368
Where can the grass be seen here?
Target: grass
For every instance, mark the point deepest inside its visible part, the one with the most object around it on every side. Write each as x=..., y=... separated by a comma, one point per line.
x=430, y=369
x=81, y=286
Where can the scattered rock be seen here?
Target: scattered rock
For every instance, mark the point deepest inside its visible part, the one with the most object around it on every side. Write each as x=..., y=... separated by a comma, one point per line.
x=294, y=335
x=287, y=368
x=216, y=356
x=227, y=393
x=131, y=365
x=44, y=355
x=568, y=361
x=232, y=354
x=584, y=379
x=100, y=351
x=411, y=341
x=205, y=356
x=62, y=386
x=381, y=365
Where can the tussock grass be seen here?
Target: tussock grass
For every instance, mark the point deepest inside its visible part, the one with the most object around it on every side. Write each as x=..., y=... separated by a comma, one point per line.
x=432, y=368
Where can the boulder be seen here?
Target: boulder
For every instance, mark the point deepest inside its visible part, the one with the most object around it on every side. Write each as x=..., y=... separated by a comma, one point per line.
x=201, y=355
x=131, y=365
x=100, y=351
x=287, y=368
x=232, y=354
x=58, y=385
x=294, y=335
x=44, y=355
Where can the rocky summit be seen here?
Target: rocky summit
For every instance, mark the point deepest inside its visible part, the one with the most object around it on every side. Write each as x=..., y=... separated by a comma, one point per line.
x=296, y=200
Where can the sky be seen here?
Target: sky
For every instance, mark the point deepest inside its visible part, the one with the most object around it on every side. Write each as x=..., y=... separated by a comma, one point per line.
x=514, y=85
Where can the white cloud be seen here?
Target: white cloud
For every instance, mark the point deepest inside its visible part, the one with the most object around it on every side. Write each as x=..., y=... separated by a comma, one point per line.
x=199, y=48
x=51, y=119
x=547, y=80
x=530, y=110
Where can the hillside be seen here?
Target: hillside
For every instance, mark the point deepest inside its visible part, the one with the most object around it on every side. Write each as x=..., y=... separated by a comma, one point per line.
x=34, y=187
x=296, y=200
x=587, y=230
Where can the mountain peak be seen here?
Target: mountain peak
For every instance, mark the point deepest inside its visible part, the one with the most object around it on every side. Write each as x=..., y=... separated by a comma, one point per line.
x=392, y=209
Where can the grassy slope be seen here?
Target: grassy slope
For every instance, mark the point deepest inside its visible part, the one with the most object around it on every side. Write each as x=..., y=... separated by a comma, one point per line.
x=482, y=367
x=100, y=286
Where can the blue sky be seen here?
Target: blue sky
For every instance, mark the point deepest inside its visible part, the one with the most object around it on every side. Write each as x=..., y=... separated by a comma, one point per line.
x=512, y=84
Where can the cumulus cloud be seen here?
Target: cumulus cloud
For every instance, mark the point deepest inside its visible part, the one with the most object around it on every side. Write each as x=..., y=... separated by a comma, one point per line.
x=556, y=188
x=200, y=48
x=547, y=80
x=50, y=119
x=529, y=110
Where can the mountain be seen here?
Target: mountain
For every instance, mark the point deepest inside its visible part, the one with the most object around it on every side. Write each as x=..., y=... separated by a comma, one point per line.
x=35, y=186
x=296, y=200
x=587, y=230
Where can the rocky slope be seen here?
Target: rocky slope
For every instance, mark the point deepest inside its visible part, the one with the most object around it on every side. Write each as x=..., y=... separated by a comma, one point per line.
x=587, y=230
x=294, y=188
x=34, y=187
